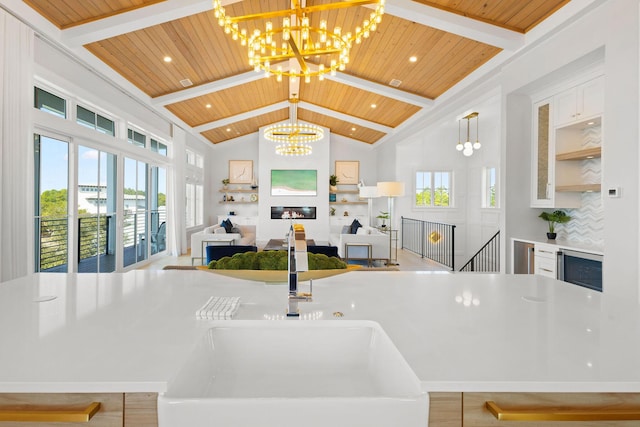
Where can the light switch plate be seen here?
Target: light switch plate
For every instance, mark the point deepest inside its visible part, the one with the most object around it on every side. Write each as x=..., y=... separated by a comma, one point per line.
x=613, y=192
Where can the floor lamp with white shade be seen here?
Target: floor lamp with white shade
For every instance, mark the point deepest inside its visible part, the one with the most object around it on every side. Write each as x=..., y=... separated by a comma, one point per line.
x=390, y=189
x=369, y=192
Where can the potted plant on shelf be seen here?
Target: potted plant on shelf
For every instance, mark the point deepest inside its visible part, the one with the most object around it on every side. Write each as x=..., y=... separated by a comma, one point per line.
x=333, y=181
x=553, y=218
x=383, y=216
x=225, y=183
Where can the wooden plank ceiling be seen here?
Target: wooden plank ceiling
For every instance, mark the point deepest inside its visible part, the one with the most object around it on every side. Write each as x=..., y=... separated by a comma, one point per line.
x=209, y=84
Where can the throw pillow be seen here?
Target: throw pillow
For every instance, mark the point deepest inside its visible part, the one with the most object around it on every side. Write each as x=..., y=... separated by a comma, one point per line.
x=362, y=230
x=236, y=230
x=354, y=226
x=228, y=225
x=346, y=229
x=219, y=230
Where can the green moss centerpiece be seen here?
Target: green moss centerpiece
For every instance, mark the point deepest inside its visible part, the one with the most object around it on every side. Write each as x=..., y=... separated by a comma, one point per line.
x=271, y=266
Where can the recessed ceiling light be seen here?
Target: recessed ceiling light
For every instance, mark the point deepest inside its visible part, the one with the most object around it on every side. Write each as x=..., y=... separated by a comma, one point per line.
x=413, y=59
x=353, y=129
x=167, y=59
x=208, y=105
x=591, y=123
x=228, y=129
x=373, y=105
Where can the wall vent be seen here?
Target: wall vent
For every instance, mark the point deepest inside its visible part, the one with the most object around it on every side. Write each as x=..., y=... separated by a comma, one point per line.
x=395, y=83
x=186, y=83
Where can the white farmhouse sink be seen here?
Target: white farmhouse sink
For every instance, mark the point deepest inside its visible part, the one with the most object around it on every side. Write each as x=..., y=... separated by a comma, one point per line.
x=318, y=373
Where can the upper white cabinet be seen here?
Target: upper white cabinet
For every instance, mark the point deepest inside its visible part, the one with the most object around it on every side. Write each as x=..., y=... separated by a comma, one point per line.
x=579, y=103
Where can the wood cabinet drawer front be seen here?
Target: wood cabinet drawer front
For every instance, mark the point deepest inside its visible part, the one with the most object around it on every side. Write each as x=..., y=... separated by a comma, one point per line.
x=110, y=413
x=140, y=410
x=445, y=409
x=545, y=251
x=546, y=267
x=475, y=413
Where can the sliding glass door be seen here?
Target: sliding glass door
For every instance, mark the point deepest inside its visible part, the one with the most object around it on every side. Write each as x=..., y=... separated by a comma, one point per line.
x=77, y=225
x=158, y=209
x=96, y=200
x=51, y=213
x=135, y=233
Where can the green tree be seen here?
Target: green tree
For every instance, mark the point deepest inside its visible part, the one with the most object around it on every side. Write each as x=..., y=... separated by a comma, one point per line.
x=53, y=203
x=132, y=191
x=423, y=198
x=441, y=196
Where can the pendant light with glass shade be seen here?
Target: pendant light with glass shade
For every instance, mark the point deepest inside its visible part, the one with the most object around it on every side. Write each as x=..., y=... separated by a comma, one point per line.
x=467, y=147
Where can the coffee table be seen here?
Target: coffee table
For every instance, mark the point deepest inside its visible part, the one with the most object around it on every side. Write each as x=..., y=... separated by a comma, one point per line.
x=280, y=245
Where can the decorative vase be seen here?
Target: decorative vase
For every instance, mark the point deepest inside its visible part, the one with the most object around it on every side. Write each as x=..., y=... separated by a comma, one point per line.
x=333, y=188
x=551, y=236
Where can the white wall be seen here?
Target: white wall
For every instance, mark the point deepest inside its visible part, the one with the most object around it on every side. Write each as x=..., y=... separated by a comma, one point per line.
x=319, y=160
x=348, y=149
x=218, y=156
x=262, y=152
x=70, y=77
x=434, y=148
x=614, y=26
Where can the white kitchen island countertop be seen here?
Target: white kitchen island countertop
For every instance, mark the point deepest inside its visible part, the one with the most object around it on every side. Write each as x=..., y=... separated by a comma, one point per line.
x=459, y=332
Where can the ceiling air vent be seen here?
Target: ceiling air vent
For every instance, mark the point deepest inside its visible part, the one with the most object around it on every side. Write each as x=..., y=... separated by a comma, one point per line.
x=395, y=83
x=186, y=83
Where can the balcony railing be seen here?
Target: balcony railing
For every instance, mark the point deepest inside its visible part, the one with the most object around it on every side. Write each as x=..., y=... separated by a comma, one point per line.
x=96, y=239
x=93, y=236
x=93, y=239
x=53, y=244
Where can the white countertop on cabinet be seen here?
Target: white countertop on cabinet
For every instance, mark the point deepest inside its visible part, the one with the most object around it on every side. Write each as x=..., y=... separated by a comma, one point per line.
x=565, y=244
x=459, y=332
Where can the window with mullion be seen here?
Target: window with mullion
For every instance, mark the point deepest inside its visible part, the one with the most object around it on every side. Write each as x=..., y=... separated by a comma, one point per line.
x=433, y=189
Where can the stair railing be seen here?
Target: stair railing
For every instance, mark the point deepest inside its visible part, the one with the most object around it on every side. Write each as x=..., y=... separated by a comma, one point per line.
x=487, y=259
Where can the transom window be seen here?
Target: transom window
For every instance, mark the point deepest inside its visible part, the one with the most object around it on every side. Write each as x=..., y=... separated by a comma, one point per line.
x=50, y=103
x=92, y=120
x=136, y=138
x=433, y=189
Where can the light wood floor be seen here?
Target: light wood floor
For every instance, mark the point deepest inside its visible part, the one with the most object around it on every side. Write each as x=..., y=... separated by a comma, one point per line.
x=407, y=261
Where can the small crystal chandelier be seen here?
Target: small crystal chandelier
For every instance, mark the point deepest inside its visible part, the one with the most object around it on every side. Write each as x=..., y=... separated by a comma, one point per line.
x=467, y=147
x=297, y=38
x=294, y=138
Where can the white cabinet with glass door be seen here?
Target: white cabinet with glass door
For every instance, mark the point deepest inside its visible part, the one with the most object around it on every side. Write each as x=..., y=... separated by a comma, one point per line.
x=542, y=155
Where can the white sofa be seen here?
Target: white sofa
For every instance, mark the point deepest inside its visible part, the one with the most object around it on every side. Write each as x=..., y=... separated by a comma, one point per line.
x=216, y=234
x=379, y=241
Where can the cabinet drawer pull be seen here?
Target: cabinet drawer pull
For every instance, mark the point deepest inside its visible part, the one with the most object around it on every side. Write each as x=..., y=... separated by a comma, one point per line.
x=51, y=415
x=554, y=414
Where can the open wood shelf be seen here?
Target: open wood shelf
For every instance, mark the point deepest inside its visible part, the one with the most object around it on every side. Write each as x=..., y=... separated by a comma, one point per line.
x=587, y=153
x=580, y=188
x=348, y=203
x=233, y=190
